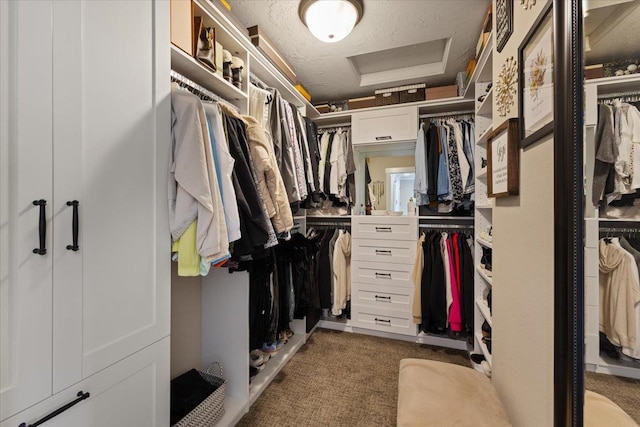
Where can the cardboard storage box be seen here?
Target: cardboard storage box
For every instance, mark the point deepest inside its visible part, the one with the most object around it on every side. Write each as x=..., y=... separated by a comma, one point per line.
x=181, y=25
x=594, y=71
x=323, y=108
x=442, y=92
x=365, y=102
x=259, y=40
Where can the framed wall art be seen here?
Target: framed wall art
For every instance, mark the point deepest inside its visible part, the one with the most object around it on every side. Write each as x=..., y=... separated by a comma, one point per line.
x=535, y=82
x=503, y=156
x=504, y=22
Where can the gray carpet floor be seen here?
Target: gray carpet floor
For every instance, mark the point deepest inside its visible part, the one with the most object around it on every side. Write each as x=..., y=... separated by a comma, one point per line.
x=342, y=379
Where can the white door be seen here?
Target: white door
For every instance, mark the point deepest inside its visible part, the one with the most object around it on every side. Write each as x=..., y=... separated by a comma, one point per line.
x=132, y=393
x=111, y=145
x=25, y=176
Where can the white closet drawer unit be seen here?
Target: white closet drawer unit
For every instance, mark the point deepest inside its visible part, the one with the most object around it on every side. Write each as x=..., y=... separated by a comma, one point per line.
x=379, y=319
x=131, y=393
x=374, y=273
x=385, y=228
x=389, y=251
x=384, y=125
x=385, y=297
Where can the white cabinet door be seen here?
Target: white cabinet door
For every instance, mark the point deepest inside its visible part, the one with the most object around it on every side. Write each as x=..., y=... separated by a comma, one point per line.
x=25, y=176
x=111, y=145
x=131, y=393
x=384, y=125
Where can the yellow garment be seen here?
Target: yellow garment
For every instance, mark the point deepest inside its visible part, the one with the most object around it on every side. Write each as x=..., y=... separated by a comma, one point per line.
x=416, y=275
x=188, y=257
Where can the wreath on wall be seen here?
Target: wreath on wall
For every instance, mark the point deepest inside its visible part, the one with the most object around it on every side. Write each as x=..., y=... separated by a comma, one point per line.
x=506, y=86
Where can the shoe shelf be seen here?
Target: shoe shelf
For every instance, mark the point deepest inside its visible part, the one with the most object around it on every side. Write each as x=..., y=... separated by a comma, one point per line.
x=483, y=348
x=484, y=310
x=482, y=139
x=482, y=174
x=484, y=275
x=485, y=206
x=442, y=341
x=273, y=366
x=484, y=243
x=486, y=105
x=194, y=70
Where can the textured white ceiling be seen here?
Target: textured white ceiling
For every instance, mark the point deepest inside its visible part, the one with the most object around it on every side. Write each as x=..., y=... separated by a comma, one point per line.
x=613, y=30
x=323, y=68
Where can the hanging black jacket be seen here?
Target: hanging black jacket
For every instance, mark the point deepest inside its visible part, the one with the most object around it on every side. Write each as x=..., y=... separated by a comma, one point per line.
x=253, y=221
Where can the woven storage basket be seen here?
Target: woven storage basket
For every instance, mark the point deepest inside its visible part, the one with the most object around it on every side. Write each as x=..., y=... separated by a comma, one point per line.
x=211, y=410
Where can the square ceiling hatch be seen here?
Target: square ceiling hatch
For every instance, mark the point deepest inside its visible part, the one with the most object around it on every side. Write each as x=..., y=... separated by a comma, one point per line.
x=402, y=63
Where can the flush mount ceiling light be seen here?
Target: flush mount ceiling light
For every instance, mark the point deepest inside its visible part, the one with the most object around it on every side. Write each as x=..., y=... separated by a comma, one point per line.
x=330, y=20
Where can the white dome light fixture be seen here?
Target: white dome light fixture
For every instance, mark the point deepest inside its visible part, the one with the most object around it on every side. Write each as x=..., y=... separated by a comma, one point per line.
x=330, y=20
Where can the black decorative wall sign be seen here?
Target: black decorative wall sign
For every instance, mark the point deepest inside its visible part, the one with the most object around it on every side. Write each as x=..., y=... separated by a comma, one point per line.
x=504, y=22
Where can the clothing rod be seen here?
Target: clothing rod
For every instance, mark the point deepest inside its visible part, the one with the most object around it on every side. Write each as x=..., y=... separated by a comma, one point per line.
x=254, y=79
x=619, y=94
x=448, y=226
x=447, y=114
x=206, y=92
x=619, y=230
x=339, y=125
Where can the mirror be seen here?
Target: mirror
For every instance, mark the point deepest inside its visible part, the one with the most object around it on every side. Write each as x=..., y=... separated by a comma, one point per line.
x=612, y=201
x=391, y=182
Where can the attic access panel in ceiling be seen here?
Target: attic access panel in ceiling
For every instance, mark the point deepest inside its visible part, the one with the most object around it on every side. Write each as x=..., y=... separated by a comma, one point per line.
x=403, y=63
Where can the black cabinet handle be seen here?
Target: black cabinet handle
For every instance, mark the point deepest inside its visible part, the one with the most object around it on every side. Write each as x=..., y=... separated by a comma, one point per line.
x=81, y=396
x=385, y=298
x=382, y=252
x=385, y=275
x=42, y=225
x=383, y=229
x=383, y=138
x=75, y=225
x=383, y=320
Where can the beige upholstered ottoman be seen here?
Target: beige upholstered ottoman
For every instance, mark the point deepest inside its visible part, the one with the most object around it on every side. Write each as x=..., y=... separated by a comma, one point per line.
x=441, y=394
x=600, y=411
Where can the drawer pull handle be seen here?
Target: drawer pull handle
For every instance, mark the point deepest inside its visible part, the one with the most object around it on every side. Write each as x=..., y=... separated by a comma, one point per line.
x=383, y=320
x=383, y=138
x=383, y=229
x=386, y=275
x=42, y=227
x=81, y=396
x=382, y=252
x=382, y=297
x=75, y=226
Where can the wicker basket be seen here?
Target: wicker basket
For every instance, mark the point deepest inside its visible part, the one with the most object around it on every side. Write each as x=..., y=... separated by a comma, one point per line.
x=211, y=410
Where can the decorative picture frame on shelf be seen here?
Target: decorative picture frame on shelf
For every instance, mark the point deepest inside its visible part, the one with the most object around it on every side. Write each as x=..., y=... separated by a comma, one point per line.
x=535, y=80
x=503, y=160
x=504, y=22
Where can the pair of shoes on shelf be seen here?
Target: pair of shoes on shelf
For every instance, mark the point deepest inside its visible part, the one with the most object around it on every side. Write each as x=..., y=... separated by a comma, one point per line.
x=285, y=335
x=481, y=98
x=486, y=335
x=485, y=261
x=486, y=236
x=272, y=348
x=489, y=301
x=489, y=86
x=257, y=359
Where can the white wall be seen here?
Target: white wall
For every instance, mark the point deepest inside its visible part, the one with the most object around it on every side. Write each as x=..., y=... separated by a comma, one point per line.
x=523, y=237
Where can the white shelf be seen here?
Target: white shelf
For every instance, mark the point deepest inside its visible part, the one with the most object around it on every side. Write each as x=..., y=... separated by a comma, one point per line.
x=487, y=206
x=484, y=310
x=482, y=139
x=205, y=77
x=483, y=274
x=458, y=344
x=483, y=174
x=447, y=218
x=485, y=108
x=482, y=72
x=484, y=243
x=234, y=410
x=615, y=84
x=274, y=366
x=483, y=348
